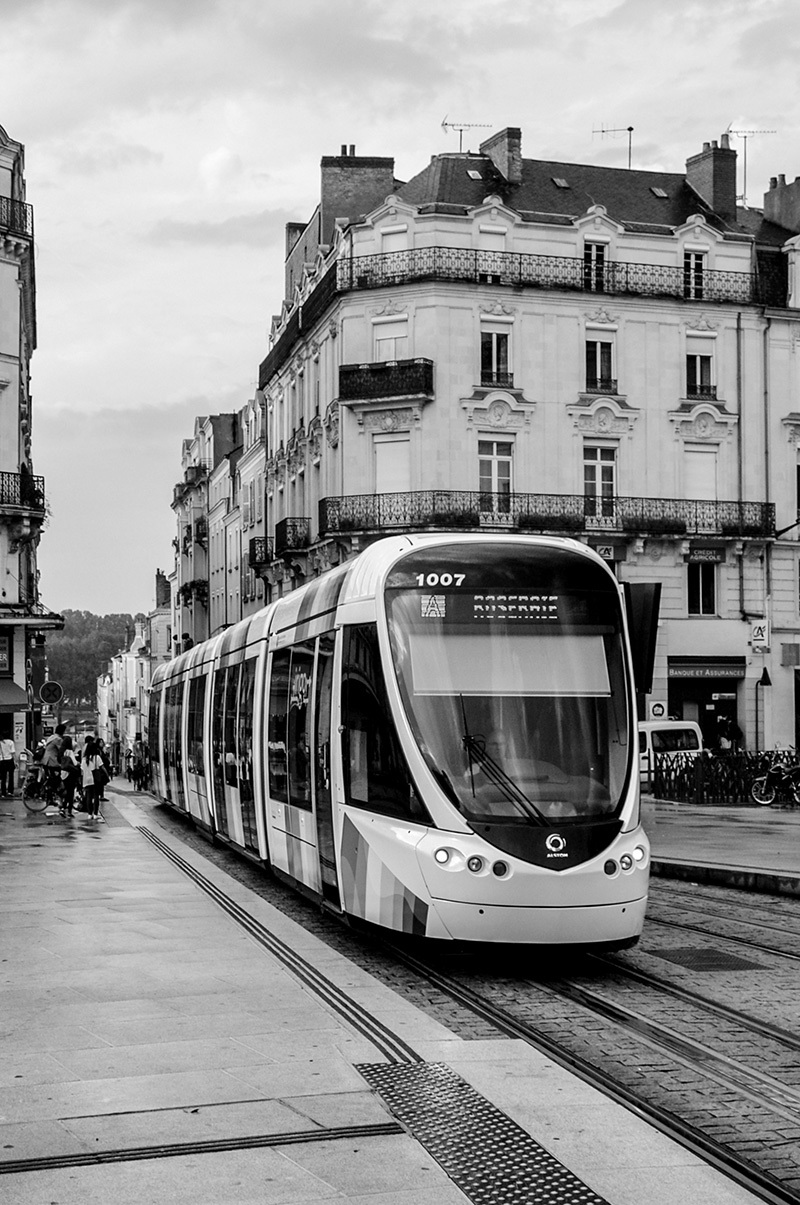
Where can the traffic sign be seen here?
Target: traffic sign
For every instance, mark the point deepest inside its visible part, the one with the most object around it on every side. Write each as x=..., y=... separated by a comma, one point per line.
x=51, y=692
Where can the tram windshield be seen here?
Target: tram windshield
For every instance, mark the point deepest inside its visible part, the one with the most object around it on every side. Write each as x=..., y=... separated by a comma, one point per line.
x=512, y=671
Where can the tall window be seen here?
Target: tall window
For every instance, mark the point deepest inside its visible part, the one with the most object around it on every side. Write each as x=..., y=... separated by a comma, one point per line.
x=599, y=479
x=495, y=458
x=702, y=588
x=495, y=358
x=594, y=262
x=391, y=340
x=600, y=366
x=700, y=473
x=693, y=269
x=699, y=376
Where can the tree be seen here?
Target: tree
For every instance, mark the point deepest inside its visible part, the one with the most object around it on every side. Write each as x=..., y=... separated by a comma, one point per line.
x=78, y=655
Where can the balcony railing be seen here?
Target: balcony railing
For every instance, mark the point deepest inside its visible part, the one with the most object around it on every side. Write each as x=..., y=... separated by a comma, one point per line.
x=517, y=270
x=545, y=512
x=16, y=217
x=695, y=392
x=394, y=378
x=522, y=269
x=292, y=535
x=260, y=553
x=601, y=385
x=22, y=490
x=497, y=380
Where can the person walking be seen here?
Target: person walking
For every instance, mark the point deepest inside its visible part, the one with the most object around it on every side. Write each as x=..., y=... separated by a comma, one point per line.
x=90, y=763
x=51, y=761
x=7, y=753
x=70, y=776
x=102, y=753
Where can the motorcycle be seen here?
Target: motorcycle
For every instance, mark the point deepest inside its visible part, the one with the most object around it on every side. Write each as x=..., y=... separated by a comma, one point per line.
x=779, y=780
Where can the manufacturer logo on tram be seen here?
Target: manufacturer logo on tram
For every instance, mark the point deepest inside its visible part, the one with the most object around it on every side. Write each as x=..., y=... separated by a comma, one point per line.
x=556, y=844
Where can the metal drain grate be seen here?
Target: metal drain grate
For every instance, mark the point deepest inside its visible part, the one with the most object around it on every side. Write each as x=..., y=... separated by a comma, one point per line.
x=696, y=959
x=486, y=1154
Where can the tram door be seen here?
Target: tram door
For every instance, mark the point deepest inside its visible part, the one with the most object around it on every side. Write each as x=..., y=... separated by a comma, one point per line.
x=323, y=696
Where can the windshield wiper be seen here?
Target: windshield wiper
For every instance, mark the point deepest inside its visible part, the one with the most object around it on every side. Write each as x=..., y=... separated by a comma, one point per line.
x=495, y=773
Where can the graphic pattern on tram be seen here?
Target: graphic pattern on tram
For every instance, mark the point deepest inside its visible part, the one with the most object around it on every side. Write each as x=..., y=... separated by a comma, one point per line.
x=434, y=738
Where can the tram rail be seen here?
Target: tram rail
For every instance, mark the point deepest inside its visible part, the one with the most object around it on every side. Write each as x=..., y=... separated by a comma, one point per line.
x=731, y=1087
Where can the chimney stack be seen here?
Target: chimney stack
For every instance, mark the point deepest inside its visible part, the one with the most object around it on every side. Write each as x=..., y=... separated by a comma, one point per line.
x=712, y=175
x=782, y=203
x=505, y=151
x=352, y=185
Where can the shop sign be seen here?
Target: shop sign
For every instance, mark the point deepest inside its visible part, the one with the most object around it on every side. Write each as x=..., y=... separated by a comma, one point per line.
x=658, y=710
x=706, y=669
x=714, y=556
x=759, y=636
x=5, y=654
x=720, y=696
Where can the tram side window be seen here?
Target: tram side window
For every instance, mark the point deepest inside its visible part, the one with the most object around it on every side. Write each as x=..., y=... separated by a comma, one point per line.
x=229, y=733
x=376, y=775
x=245, y=746
x=195, y=762
x=276, y=730
x=298, y=725
x=153, y=721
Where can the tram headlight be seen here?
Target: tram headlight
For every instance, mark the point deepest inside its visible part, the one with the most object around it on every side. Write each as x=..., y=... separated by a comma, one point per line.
x=442, y=856
x=640, y=854
x=500, y=869
x=626, y=861
x=475, y=864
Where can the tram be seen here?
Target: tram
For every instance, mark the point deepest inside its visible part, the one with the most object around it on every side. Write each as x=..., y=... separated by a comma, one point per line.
x=437, y=737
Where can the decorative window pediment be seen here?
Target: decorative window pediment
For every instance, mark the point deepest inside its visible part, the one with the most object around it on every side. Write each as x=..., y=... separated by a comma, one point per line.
x=603, y=416
x=703, y=422
x=498, y=409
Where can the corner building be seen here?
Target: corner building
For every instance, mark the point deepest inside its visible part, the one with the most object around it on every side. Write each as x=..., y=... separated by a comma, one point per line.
x=510, y=345
x=24, y=620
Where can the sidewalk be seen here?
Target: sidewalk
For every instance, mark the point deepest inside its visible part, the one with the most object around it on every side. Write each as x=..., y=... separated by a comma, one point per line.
x=152, y=1049
x=754, y=848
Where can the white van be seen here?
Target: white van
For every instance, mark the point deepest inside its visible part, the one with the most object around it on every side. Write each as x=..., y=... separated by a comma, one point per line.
x=666, y=737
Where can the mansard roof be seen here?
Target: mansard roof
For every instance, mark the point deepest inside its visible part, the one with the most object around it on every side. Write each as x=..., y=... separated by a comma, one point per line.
x=558, y=193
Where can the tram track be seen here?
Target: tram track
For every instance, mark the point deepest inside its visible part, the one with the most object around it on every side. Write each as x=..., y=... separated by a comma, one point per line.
x=738, y=1114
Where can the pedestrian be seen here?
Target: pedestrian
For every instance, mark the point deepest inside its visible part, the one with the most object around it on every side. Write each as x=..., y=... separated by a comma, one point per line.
x=70, y=776
x=7, y=752
x=91, y=764
x=103, y=754
x=51, y=761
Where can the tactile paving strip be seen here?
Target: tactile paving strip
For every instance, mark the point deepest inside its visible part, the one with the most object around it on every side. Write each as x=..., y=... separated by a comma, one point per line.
x=486, y=1154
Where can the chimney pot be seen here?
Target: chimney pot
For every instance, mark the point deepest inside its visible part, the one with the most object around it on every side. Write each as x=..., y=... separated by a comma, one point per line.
x=706, y=146
x=773, y=181
x=781, y=180
x=714, y=145
x=344, y=149
x=352, y=150
x=725, y=142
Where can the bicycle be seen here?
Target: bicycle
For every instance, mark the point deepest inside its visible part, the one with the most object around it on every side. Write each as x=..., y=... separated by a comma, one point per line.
x=780, y=780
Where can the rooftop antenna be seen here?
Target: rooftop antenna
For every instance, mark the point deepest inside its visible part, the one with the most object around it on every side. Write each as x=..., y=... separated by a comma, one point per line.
x=612, y=132
x=461, y=126
x=744, y=135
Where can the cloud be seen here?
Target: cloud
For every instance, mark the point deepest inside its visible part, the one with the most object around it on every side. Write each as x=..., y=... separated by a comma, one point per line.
x=108, y=158
x=251, y=229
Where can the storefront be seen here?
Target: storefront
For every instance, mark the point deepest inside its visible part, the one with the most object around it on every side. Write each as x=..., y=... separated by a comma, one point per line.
x=708, y=690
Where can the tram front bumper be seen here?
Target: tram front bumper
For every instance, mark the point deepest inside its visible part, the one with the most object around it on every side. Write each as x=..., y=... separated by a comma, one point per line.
x=579, y=925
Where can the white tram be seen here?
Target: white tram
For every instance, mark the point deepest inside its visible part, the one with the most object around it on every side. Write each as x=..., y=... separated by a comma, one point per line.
x=438, y=737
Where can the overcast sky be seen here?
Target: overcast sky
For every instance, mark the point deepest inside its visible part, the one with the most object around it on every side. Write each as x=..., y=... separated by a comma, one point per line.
x=168, y=142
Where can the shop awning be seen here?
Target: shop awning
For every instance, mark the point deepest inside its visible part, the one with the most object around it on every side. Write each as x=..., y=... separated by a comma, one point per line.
x=706, y=667
x=12, y=697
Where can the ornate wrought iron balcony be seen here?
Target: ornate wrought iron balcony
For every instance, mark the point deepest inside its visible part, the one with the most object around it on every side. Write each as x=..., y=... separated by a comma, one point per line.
x=701, y=391
x=22, y=490
x=523, y=269
x=394, y=378
x=260, y=553
x=16, y=217
x=292, y=535
x=517, y=270
x=601, y=385
x=472, y=509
